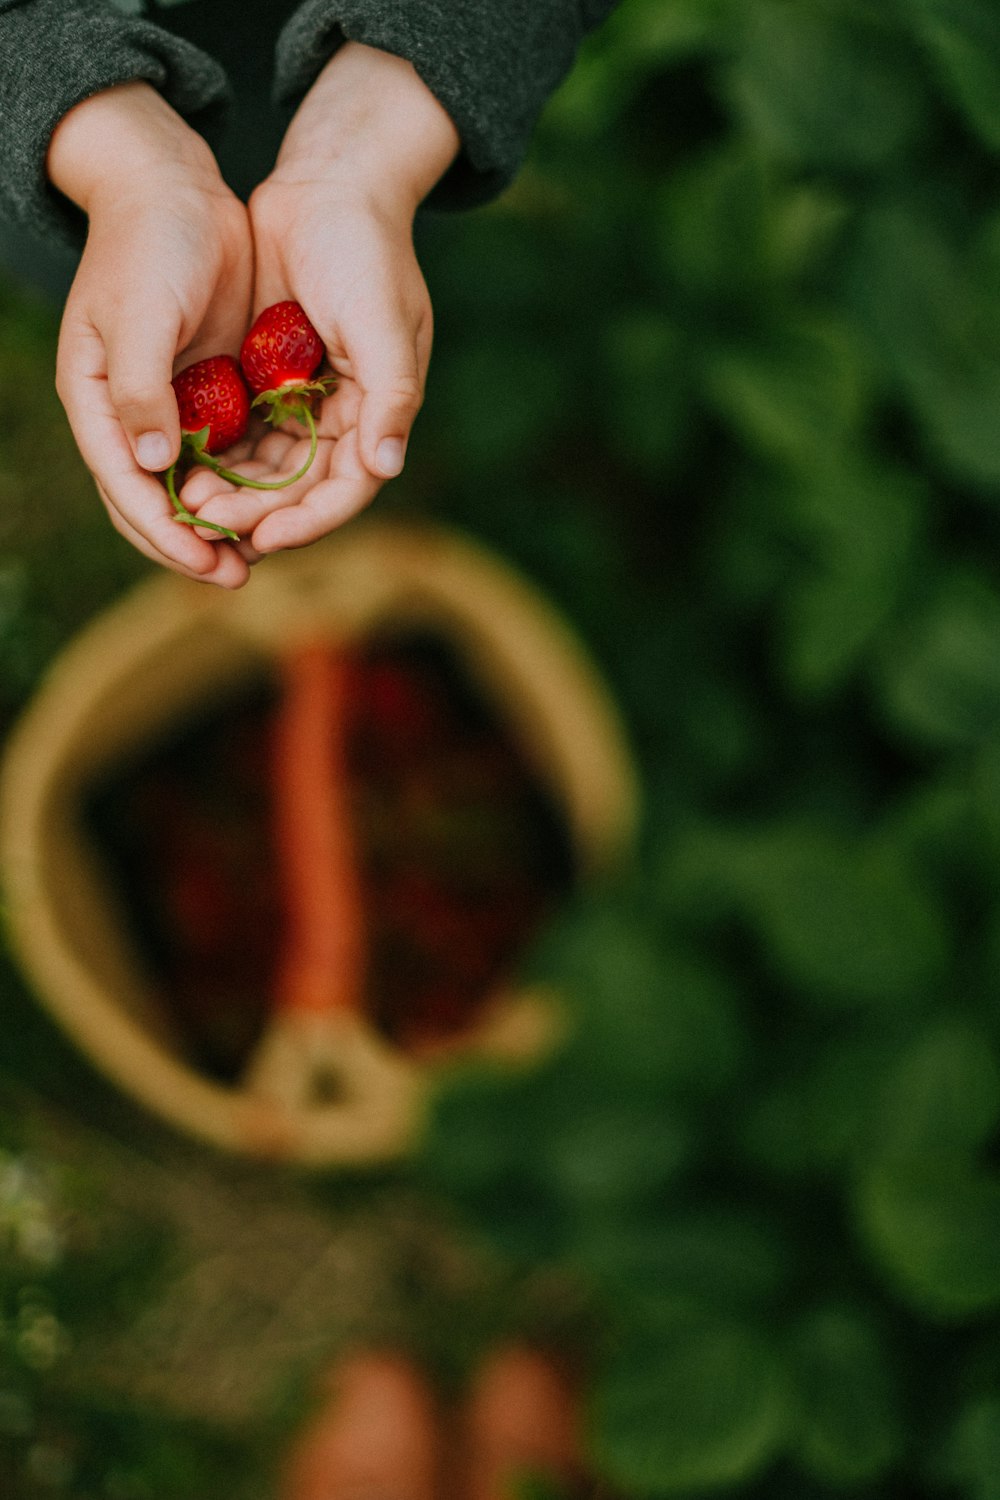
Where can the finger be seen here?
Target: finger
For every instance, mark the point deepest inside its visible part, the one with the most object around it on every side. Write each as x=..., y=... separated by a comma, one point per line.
x=248, y=552
x=226, y=320
x=270, y=284
x=424, y=339
x=202, y=484
x=388, y=370
x=339, y=411
x=244, y=509
x=206, y=494
x=144, y=509
x=140, y=354
x=136, y=497
x=141, y=502
x=273, y=461
x=231, y=568
x=326, y=504
x=281, y=451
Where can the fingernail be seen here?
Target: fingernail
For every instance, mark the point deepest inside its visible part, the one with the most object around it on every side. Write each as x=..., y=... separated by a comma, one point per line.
x=153, y=450
x=389, y=456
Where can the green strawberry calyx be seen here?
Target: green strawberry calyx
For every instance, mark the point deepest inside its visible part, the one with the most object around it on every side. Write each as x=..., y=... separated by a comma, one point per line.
x=292, y=399
x=196, y=441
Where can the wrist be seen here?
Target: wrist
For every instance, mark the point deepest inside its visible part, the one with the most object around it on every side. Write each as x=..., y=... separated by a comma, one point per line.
x=370, y=126
x=123, y=137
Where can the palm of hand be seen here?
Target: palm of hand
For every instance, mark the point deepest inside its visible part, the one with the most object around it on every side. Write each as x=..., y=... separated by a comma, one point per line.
x=336, y=486
x=357, y=277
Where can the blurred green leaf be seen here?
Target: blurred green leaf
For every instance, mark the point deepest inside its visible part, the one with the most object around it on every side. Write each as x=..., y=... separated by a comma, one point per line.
x=722, y=1258
x=641, y=36
x=471, y=1140
x=500, y=397
x=649, y=1018
x=819, y=1116
x=717, y=227
x=690, y=1406
x=933, y=314
x=962, y=39
x=646, y=29
x=796, y=395
x=607, y=1156
x=646, y=400
x=983, y=788
x=749, y=546
x=943, y=1094
x=859, y=525
x=849, y=922
x=498, y=269
x=849, y=1428
x=854, y=925
x=939, y=679
x=934, y=1228
x=969, y=1461
x=807, y=222
x=943, y=830
x=818, y=85
x=702, y=709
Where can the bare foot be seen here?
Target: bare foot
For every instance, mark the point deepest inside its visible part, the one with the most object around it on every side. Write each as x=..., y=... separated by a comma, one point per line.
x=375, y=1437
x=522, y=1417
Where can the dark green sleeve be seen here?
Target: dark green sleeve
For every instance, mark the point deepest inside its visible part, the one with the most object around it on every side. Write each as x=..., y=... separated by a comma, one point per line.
x=491, y=63
x=55, y=53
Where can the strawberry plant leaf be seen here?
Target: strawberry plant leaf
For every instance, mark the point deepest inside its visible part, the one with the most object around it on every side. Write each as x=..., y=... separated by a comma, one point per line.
x=819, y=86
x=939, y=677
x=969, y=1458
x=942, y=1095
x=933, y=1226
x=849, y=1426
x=694, y=1404
x=962, y=40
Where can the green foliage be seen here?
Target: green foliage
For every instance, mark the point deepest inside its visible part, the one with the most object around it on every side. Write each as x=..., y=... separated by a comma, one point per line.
x=846, y=921
x=769, y=1146
x=825, y=86
x=689, y=1401
x=849, y=1427
x=961, y=40
x=66, y=1266
x=933, y=1225
x=970, y=1460
x=940, y=675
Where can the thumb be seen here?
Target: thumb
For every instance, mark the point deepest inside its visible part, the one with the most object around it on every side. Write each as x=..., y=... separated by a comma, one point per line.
x=388, y=371
x=140, y=359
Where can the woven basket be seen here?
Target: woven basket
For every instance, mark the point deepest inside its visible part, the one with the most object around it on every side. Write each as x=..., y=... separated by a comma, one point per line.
x=168, y=648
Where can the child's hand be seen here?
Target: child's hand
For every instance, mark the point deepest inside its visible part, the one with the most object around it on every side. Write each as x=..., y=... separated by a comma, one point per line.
x=166, y=272
x=332, y=230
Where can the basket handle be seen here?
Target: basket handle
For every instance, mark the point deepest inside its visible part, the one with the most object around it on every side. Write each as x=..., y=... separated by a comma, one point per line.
x=319, y=988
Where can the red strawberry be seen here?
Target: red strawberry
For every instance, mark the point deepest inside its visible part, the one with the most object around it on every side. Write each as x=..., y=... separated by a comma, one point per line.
x=212, y=398
x=280, y=356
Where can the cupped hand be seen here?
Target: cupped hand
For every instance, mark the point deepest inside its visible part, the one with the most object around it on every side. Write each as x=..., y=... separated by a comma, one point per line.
x=165, y=279
x=333, y=230
x=355, y=273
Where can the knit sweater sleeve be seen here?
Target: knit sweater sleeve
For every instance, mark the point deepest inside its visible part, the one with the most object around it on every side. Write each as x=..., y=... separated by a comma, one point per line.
x=56, y=53
x=491, y=63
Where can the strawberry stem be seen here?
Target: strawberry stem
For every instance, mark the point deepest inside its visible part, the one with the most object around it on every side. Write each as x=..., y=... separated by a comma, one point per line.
x=185, y=515
x=302, y=414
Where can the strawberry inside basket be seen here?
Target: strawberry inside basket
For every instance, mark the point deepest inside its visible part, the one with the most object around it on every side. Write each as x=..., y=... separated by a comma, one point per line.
x=366, y=813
